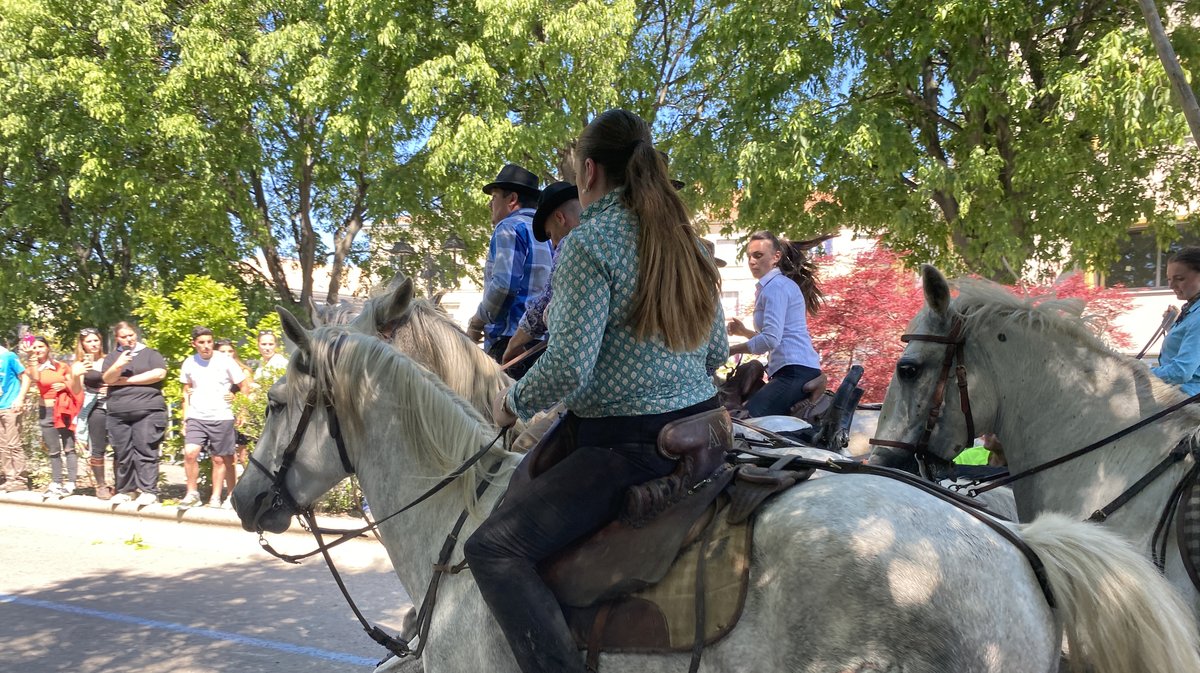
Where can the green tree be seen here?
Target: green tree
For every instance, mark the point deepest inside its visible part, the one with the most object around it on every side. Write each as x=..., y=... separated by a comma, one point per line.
x=990, y=134
x=167, y=321
x=100, y=188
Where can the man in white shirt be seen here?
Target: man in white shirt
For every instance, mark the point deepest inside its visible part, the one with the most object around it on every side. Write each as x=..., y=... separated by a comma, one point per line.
x=209, y=377
x=271, y=360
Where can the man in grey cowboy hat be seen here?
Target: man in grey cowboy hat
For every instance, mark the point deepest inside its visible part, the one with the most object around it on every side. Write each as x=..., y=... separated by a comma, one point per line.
x=518, y=266
x=557, y=214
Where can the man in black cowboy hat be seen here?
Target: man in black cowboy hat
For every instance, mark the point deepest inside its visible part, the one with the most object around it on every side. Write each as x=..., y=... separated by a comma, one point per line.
x=557, y=214
x=517, y=268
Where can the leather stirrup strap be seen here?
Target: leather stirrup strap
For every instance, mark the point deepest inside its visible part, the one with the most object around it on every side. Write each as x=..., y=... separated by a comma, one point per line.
x=596, y=638
x=701, y=607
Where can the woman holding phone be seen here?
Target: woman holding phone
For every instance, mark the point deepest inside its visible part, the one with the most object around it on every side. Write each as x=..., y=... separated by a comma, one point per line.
x=91, y=426
x=137, y=413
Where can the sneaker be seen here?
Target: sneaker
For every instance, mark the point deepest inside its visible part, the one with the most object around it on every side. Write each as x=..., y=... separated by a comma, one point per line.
x=191, y=500
x=215, y=503
x=228, y=504
x=54, y=491
x=68, y=487
x=120, y=498
x=104, y=492
x=146, y=499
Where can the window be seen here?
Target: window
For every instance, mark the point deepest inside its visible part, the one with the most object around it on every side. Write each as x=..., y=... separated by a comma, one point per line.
x=1143, y=263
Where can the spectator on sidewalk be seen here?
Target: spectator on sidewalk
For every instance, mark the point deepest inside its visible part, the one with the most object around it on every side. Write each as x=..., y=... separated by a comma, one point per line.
x=14, y=384
x=207, y=378
x=91, y=425
x=56, y=415
x=517, y=267
x=272, y=361
x=247, y=387
x=137, y=413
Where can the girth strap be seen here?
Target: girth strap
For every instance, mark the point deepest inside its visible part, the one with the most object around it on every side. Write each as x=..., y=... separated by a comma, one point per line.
x=963, y=503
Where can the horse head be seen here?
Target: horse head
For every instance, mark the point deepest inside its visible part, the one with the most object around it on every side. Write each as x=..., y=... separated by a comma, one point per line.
x=297, y=458
x=935, y=399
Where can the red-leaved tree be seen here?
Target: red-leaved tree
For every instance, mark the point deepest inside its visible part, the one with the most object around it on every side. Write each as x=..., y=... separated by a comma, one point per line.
x=869, y=304
x=866, y=310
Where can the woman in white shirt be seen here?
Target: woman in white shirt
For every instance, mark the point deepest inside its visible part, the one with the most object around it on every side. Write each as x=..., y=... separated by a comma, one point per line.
x=785, y=294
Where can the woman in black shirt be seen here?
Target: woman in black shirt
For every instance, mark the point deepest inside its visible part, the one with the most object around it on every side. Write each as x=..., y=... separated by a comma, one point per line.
x=137, y=413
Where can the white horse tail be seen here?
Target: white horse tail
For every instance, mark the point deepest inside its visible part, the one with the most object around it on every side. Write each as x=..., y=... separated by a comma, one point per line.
x=1118, y=612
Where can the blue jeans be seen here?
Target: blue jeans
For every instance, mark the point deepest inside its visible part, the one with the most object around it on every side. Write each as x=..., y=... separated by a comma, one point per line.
x=782, y=392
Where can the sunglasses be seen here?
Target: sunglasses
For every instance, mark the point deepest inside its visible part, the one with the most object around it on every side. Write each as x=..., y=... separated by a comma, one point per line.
x=267, y=332
x=89, y=330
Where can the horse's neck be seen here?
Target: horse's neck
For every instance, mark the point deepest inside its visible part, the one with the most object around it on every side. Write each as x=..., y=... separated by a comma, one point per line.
x=1064, y=397
x=391, y=479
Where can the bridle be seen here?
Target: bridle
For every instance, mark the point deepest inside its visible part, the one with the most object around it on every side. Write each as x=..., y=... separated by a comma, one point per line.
x=278, y=496
x=955, y=343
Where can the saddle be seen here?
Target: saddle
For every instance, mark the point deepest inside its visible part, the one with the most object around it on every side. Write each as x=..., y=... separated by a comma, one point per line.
x=671, y=573
x=658, y=518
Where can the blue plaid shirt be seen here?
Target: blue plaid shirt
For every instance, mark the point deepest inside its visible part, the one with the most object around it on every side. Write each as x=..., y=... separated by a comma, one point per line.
x=517, y=268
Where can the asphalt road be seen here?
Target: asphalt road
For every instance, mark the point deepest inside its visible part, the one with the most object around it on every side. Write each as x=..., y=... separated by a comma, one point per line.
x=96, y=592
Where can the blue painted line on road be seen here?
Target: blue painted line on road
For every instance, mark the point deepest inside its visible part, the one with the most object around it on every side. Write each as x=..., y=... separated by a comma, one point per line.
x=192, y=631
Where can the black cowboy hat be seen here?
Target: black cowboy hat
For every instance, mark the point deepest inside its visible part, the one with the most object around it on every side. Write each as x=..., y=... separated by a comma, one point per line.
x=712, y=252
x=514, y=179
x=552, y=197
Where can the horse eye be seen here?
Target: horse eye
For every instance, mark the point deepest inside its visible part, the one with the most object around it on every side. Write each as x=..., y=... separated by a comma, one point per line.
x=907, y=371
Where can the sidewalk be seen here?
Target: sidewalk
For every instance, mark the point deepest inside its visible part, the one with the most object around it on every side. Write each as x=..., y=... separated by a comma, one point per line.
x=172, y=489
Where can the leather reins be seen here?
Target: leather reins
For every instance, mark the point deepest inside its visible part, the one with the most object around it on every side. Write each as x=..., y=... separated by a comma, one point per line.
x=278, y=496
x=955, y=343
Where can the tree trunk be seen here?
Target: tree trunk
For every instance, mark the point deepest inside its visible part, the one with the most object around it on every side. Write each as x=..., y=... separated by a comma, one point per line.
x=1166, y=54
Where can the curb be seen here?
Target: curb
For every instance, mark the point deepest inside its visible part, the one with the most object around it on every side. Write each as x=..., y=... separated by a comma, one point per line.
x=199, y=515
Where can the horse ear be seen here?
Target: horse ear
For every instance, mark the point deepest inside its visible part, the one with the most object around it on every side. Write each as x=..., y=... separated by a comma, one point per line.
x=292, y=329
x=314, y=313
x=937, y=290
x=394, y=304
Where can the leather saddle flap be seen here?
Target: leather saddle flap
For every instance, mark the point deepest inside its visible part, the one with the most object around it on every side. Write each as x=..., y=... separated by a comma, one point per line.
x=620, y=559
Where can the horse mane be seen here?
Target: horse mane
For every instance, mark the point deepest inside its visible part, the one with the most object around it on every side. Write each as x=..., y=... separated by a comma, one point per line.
x=431, y=337
x=980, y=301
x=360, y=372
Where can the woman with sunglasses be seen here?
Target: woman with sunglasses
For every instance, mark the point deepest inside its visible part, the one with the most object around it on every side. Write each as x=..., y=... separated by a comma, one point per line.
x=785, y=295
x=56, y=415
x=91, y=431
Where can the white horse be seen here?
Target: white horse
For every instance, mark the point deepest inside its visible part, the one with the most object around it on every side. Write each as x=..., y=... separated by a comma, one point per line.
x=1041, y=380
x=858, y=573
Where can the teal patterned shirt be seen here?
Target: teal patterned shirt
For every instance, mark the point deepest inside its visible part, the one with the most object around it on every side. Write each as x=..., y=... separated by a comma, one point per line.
x=593, y=362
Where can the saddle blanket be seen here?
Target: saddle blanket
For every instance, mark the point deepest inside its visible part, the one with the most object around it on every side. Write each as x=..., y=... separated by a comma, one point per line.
x=1189, y=530
x=662, y=618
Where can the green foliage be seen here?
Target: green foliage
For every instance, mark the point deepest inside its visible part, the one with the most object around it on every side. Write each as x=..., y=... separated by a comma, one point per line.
x=168, y=321
x=142, y=142
x=993, y=135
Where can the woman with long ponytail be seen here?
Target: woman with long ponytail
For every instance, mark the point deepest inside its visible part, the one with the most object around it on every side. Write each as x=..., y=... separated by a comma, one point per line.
x=636, y=330
x=786, y=293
